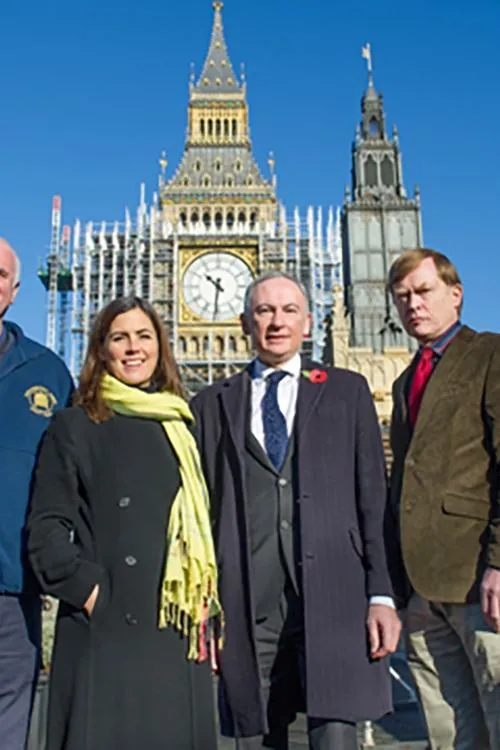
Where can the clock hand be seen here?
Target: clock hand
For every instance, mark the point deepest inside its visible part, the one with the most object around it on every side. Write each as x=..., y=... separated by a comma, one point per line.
x=218, y=290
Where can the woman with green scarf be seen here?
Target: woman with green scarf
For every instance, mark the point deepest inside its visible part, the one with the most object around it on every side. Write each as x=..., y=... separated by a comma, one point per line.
x=119, y=532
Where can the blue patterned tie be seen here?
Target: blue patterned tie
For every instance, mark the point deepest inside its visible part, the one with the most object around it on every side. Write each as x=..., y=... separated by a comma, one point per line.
x=275, y=431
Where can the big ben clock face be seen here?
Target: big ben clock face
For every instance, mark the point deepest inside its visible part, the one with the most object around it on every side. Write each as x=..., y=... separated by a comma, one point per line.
x=214, y=286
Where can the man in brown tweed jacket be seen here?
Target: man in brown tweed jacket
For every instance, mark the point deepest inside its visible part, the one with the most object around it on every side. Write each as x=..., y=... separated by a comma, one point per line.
x=444, y=515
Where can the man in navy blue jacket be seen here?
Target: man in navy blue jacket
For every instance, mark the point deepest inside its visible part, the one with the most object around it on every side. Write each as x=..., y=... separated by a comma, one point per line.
x=34, y=382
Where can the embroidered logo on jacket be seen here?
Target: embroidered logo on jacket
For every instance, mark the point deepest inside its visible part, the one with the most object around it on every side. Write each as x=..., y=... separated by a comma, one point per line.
x=42, y=402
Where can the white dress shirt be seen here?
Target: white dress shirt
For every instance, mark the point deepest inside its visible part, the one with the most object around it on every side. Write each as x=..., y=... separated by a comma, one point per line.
x=288, y=389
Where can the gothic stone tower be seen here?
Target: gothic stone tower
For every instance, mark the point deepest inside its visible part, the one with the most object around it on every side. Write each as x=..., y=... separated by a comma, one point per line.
x=379, y=221
x=218, y=205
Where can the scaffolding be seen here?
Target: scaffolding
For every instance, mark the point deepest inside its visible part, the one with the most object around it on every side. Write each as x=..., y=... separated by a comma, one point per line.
x=140, y=256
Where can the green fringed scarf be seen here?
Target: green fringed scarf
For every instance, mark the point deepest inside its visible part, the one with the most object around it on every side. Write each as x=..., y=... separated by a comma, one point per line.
x=189, y=590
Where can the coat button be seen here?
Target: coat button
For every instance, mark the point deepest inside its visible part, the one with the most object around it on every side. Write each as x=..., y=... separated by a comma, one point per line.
x=282, y=482
x=130, y=619
x=285, y=525
x=124, y=502
x=130, y=560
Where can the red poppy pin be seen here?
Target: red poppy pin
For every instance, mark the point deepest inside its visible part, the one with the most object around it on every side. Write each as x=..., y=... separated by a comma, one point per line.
x=316, y=376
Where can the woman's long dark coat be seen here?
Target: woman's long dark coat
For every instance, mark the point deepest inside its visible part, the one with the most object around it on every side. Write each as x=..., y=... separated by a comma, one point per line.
x=101, y=504
x=342, y=495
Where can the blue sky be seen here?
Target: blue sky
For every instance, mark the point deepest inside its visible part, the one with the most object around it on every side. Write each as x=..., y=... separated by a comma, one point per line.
x=92, y=92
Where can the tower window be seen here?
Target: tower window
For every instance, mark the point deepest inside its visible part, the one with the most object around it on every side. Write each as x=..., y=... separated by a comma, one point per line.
x=250, y=181
x=373, y=127
x=197, y=166
x=183, y=218
x=202, y=127
x=371, y=179
x=206, y=219
x=387, y=171
x=218, y=166
x=218, y=220
x=238, y=166
x=185, y=181
x=217, y=127
x=253, y=220
x=230, y=220
x=210, y=127
x=226, y=128
x=206, y=181
x=195, y=217
x=235, y=128
x=229, y=181
x=242, y=217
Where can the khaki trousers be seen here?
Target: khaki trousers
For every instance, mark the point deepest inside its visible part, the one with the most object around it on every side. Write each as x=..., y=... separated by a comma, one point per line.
x=455, y=660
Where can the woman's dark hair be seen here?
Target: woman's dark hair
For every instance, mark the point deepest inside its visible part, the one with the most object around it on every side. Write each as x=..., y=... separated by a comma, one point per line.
x=165, y=377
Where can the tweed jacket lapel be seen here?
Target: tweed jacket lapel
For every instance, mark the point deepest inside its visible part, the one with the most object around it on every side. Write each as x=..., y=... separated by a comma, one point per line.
x=443, y=380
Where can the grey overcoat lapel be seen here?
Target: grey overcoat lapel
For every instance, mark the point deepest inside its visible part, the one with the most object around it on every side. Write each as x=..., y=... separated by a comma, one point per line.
x=235, y=397
x=308, y=396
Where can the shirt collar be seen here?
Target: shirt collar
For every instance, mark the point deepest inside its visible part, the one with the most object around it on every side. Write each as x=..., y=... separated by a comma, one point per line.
x=439, y=345
x=292, y=367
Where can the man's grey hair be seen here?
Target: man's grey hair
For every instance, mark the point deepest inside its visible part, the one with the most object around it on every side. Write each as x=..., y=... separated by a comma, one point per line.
x=17, y=262
x=266, y=276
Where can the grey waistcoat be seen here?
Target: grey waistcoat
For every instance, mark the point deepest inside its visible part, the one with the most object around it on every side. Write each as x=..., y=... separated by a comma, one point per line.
x=272, y=525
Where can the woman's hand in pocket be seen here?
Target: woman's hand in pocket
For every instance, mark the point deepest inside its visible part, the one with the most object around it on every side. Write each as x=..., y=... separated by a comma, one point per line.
x=89, y=605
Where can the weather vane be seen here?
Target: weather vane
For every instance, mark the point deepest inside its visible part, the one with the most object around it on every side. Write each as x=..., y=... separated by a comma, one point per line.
x=366, y=52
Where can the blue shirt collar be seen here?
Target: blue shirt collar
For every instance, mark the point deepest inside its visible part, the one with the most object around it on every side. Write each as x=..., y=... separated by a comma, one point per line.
x=439, y=345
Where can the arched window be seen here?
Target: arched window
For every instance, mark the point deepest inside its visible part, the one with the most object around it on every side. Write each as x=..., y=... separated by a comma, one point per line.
x=218, y=220
x=205, y=344
x=202, y=127
x=253, y=220
x=206, y=181
x=232, y=344
x=195, y=217
x=182, y=345
x=230, y=220
x=226, y=128
x=183, y=218
x=229, y=182
x=242, y=217
x=217, y=128
x=218, y=345
x=218, y=166
x=235, y=128
x=371, y=178
x=185, y=181
x=210, y=127
x=206, y=220
x=374, y=127
x=197, y=166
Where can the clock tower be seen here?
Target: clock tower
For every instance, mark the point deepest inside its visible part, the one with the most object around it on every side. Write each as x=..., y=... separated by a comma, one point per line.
x=218, y=206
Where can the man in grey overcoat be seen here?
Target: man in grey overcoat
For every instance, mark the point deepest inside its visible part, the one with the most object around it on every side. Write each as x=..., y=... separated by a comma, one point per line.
x=294, y=463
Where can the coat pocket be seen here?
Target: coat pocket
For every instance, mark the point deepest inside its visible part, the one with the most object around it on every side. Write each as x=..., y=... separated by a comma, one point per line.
x=467, y=507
